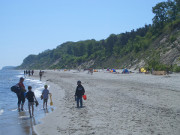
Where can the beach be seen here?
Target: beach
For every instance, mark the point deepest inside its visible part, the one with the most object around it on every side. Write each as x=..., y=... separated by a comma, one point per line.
x=117, y=104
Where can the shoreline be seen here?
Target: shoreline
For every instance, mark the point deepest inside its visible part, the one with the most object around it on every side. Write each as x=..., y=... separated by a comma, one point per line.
x=116, y=104
x=53, y=89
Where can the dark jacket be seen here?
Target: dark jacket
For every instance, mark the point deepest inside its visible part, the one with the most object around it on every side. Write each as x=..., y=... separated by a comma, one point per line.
x=79, y=91
x=30, y=96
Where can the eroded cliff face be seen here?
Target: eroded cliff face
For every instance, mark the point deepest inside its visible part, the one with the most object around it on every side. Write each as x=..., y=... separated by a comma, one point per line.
x=162, y=49
x=170, y=53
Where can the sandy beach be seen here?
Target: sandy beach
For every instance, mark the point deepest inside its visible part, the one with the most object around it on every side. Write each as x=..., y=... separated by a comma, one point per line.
x=117, y=104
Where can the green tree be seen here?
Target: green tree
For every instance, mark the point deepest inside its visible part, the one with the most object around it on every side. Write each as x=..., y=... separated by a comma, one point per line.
x=172, y=10
x=110, y=43
x=161, y=16
x=178, y=4
x=89, y=49
x=69, y=50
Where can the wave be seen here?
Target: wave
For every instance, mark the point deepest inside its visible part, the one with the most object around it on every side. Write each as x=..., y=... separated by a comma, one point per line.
x=37, y=86
x=34, y=81
x=38, y=91
x=1, y=111
x=20, y=75
x=14, y=110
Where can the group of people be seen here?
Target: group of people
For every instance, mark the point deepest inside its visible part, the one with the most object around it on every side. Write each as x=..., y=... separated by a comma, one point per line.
x=32, y=98
x=31, y=73
x=28, y=72
x=22, y=95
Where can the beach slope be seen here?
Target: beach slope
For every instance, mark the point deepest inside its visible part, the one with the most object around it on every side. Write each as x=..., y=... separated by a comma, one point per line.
x=117, y=104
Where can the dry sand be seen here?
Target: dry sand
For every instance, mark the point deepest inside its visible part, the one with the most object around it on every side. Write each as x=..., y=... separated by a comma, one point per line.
x=117, y=104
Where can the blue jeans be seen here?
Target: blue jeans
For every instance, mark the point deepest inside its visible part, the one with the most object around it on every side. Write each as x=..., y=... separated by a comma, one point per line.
x=79, y=99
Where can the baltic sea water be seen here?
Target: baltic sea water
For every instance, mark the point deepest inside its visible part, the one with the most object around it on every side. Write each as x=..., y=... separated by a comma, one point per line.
x=13, y=122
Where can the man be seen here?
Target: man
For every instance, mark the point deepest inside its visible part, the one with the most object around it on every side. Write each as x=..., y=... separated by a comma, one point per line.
x=20, y=95
x=79, y=93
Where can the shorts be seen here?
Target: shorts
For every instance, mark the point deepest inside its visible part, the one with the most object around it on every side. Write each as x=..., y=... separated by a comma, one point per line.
x=45, y=100
x=30, y=103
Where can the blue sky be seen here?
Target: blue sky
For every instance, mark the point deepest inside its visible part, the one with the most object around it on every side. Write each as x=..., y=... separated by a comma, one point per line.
x=32, y=26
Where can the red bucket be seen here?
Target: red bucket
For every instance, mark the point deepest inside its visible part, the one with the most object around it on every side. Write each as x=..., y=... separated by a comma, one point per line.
x=84, y=97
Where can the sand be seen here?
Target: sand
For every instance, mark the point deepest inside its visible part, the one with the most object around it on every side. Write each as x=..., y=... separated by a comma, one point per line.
x=117, y=104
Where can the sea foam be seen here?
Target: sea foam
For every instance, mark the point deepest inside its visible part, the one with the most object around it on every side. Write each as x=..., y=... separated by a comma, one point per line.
x=37, y=86
x=1, y=111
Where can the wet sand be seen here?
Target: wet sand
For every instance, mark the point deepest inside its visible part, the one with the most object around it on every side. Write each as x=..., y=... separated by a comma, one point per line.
x=117, y=104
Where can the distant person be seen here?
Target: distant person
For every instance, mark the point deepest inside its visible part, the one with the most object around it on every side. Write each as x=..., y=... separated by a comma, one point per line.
x=31, y=98
x=45, y=94
x=32, y=72
x=40, y=74
x=24, y=73
x=152, y=71
x=79, y=93
x=20, y=95
x=167, y=70
x=91, y=71
x=29, y=72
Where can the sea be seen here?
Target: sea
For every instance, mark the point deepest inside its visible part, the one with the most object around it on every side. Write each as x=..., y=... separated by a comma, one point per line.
x=13, y=122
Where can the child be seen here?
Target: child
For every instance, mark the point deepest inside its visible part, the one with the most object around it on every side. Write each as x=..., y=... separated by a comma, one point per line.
x=30, y=96
x=45, y=94
x=79, y=93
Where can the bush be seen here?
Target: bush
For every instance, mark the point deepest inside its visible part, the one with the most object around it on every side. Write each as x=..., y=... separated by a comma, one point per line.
x=176, y=68
x=172, y=38
x=155, y=65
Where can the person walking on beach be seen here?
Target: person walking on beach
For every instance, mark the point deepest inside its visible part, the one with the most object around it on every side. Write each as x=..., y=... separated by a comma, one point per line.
x=32, y=72
x=40, y=74
x=79, y=93
x=20, y=95
x=31, y=98
x=45, y=94
x=29, y=72
x=24, y=73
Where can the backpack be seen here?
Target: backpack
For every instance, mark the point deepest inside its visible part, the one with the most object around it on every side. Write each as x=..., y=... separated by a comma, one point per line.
x=16, y=89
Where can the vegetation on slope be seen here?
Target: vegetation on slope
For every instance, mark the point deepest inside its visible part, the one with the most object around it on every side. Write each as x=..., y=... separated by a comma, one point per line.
x=118, y=51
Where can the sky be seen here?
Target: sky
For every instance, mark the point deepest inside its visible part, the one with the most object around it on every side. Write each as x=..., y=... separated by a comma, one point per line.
x=32, y=26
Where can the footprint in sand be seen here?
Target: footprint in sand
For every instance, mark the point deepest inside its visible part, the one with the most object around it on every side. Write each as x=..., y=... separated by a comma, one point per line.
x=58, y=129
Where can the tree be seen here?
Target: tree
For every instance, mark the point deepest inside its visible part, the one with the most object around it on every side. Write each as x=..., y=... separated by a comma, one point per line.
x=110, y=43
x=172, y=10
x=81, y=50
x=89, y=49
x=69, y=50
x=178, y=4
x=178, y=7
x=161, y=16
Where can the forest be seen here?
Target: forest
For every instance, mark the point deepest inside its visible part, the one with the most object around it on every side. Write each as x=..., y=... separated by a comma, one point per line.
x=123, y=47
